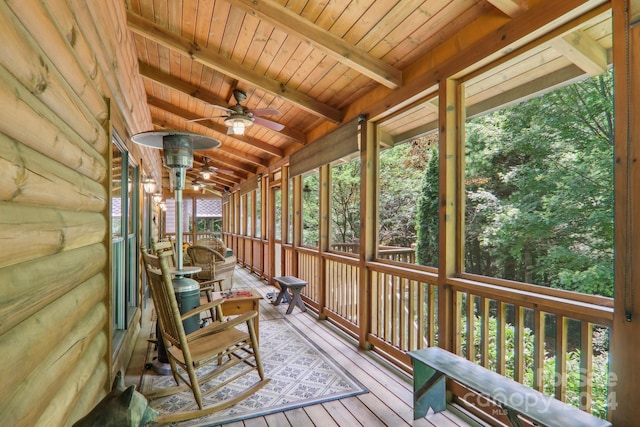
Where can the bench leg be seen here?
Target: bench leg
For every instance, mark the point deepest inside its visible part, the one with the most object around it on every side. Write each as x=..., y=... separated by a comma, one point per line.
x=296, y=300
x=429, y=390
x=281, y=295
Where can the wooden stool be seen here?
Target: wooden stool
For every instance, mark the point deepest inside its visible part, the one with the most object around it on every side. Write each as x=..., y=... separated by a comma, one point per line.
x=296, y=285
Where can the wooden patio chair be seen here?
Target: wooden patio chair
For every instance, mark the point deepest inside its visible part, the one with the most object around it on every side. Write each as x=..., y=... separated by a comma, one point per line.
x=225, y=343
x=207, y=259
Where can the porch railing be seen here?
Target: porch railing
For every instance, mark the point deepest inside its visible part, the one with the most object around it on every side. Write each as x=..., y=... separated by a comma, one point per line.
x=551, y=340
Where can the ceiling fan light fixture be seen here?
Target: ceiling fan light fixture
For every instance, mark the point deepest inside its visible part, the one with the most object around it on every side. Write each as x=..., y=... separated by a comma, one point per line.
x=237, y=124
x=206, y=175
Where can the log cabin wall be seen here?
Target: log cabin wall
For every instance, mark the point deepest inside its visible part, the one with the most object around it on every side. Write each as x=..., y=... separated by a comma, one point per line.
x=66, y=84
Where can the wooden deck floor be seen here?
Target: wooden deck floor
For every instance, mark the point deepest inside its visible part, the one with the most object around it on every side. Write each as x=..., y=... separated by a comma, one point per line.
x=388, y=403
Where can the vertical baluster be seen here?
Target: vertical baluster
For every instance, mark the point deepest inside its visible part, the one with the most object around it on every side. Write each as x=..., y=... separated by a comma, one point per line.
x=387, y=308
x=538, y=349
x=432, y=307
x=518, y=344
x=402, y=313
x=561, y=358
x=471, y=326
x=501, y=338
x=586, y=364
x=457, y=322
x=484, y=331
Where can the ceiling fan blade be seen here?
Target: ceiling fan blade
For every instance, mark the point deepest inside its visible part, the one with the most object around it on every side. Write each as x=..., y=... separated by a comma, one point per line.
x=203, y=118
x=268, y=123
x=264, y=112
x=220, y=107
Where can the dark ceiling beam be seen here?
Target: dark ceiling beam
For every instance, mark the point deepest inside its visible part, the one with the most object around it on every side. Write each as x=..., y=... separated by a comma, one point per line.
x=210, y=58
x=323, y=40
x=187, y=115
x=174, y=83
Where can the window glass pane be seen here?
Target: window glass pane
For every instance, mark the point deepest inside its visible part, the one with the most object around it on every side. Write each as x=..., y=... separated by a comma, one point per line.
x=249, y=213
x=258, y=228
x=116, y=193
x=408, y=201
x=539, y=189
x=310, y=209
x=345, y=205
x=277, y=193
x=290, y=213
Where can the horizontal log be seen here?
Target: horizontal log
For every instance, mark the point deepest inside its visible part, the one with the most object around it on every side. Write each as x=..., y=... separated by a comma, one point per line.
x=28, y=120
x=24, y=403
x=29, y=177
x=89, y=396
x=60, y=407
x=33, y=232
x=34, y=338
x=31, y=286
x=43, y=29
x=139, y=118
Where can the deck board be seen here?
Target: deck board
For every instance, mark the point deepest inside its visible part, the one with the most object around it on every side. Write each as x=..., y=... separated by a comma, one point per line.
x=389, y=401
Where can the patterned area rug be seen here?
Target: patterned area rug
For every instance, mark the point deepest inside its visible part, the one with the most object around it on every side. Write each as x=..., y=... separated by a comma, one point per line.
x=301, y=374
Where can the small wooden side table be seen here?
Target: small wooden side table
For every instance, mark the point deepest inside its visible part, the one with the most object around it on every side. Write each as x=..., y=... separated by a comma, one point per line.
x=296, y=285
x=240, y=301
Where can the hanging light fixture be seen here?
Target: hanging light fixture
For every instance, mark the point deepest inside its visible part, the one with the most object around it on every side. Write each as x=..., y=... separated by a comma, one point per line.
x=157, y=198
x=237, y=123
x=148, y=184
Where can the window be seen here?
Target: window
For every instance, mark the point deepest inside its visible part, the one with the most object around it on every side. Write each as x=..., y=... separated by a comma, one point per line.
x=124, y=232
x=539, y=190
x=310, y=209
x=408, y=188
x=345, y=205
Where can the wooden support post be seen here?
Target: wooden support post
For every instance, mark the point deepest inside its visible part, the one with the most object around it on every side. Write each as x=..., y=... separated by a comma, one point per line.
x=451, y=202
x=369, y=150
x=625, y=357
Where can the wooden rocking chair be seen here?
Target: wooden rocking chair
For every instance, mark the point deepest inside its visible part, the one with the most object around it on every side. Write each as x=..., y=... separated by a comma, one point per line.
x=221, y=342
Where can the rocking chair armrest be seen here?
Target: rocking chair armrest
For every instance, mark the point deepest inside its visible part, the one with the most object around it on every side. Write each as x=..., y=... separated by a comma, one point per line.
x=223, y=326
x=210, y=284
x=213, y=304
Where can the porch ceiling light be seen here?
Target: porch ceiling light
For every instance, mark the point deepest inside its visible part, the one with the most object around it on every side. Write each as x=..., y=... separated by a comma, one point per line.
x=237, y=124
x=149, y=185
x=157, y=198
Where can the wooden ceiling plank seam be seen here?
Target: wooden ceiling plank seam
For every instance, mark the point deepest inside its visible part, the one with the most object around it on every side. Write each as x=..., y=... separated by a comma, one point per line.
x=391, y=20
x=350, y=17
x=289, y=67
x=331, y=14
x=232, y=30
x=218, y=24
x=278, y=51
x=371, y=17
x=439, y=27
x=201, y=28
x=312, y=10
x=213, y=60
x=324, y=40
x=258, y=49
x=244, y=43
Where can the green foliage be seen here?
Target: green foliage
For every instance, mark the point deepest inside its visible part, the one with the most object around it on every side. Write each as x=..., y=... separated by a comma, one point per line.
x=576, y=377
x=345, y=202
x=539, y=182
x=427, y=215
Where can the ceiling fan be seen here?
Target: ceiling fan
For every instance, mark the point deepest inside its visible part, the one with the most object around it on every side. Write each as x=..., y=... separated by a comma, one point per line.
x=239, y=117
x=206, y=170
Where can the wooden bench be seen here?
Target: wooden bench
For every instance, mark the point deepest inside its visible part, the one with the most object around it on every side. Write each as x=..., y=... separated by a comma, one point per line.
x=432, y=365
x=296, y=285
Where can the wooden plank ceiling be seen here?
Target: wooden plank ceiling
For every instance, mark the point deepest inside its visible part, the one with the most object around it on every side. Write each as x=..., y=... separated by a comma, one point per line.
x=312, y=60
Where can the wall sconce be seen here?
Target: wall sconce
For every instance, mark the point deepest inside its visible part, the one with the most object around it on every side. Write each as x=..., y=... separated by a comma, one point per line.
x=157, y=198
x=149, y=185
